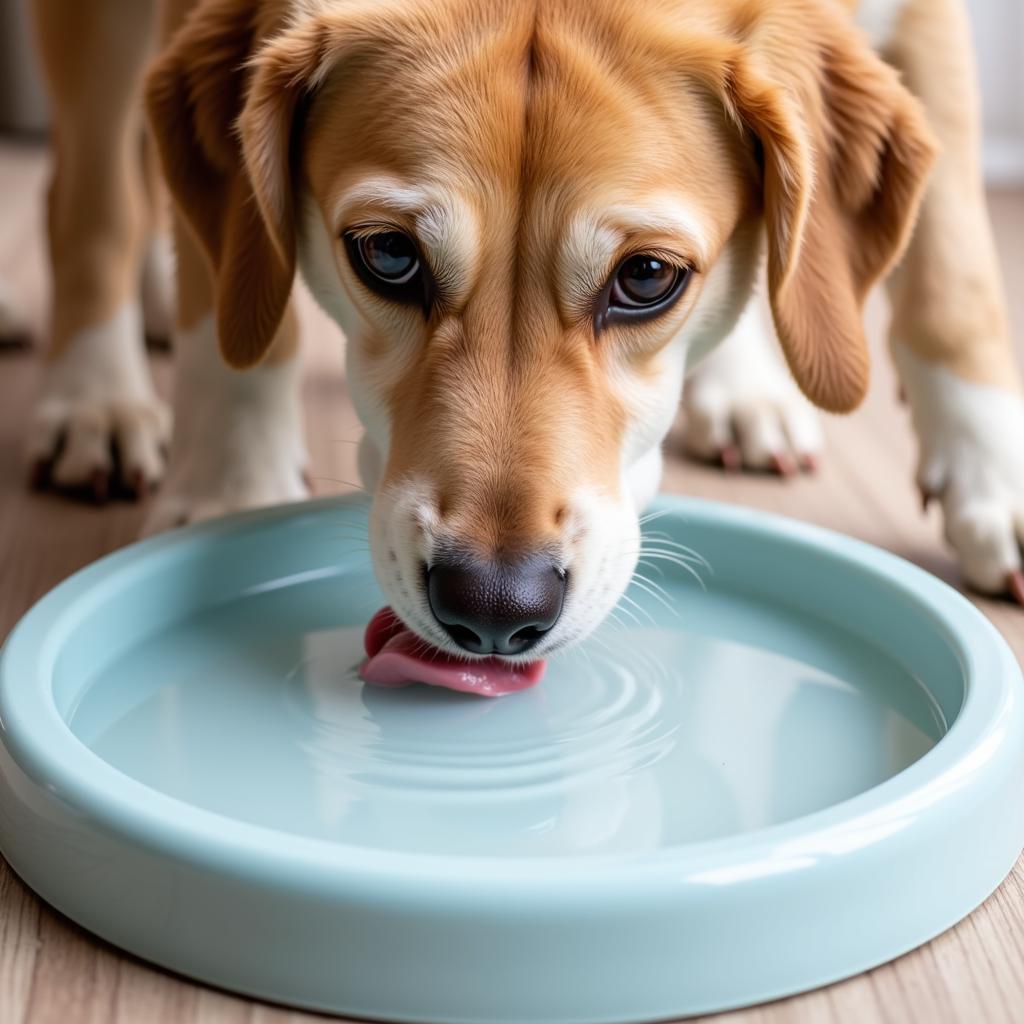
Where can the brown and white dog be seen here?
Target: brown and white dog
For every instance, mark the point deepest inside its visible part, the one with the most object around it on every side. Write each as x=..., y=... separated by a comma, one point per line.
x=533, y=220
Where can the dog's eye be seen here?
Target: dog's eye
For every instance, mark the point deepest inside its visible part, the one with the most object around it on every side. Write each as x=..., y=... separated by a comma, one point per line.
x=644, y=281
x=391, y=256
x=642, y=286
x=388, y=263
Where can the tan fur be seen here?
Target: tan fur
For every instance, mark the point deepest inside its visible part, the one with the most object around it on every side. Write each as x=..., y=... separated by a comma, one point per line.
x=103, y=202
x=948, y=301
x=530, y=112
x=846, y=157
x=194, y=97
x=517, y=400
x=870, y=153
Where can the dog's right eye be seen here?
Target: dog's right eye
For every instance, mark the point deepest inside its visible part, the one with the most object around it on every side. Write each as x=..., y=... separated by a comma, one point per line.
x=388, y=263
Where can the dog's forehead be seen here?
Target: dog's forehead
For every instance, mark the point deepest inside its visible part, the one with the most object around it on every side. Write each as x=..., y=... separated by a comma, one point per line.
x=517, y=103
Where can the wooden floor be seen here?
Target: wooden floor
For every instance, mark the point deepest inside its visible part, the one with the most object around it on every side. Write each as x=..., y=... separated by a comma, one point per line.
x=52, y=971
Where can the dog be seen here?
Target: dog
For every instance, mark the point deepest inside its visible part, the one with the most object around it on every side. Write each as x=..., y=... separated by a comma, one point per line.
x=538, y=222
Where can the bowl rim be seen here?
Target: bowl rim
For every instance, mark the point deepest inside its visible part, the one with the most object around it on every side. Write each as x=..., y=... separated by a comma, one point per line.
x=40, y=741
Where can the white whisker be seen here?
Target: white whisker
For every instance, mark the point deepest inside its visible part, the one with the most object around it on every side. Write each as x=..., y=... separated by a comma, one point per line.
x=639, y=607
x=653, y=589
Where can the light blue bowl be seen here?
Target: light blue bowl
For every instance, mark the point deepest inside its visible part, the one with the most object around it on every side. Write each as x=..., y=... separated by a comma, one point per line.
x=724, y=797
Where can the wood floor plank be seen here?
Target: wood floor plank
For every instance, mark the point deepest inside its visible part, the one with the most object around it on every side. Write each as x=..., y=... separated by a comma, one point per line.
x=51, y=971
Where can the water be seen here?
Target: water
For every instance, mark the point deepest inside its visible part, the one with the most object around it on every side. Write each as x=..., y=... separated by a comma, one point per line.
x=728, y=718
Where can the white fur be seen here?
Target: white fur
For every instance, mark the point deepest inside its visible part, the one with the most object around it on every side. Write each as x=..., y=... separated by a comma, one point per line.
x=443, y=223
x=879, y=19
x=238, y=441
x=970, y=440
x=595, y=239
x=99, y=390
x=742, y=396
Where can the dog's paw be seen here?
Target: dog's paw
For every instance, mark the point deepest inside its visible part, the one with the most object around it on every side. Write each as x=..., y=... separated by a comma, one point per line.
x=98, y=426
x=238, y=441
x=742, y=409
x=971, y=460
x=249, y=468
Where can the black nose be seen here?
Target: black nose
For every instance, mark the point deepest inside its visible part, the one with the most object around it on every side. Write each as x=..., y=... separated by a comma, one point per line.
x=490, y=608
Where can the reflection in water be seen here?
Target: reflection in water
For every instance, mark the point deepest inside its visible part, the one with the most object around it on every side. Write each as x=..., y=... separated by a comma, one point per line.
x=653, y=737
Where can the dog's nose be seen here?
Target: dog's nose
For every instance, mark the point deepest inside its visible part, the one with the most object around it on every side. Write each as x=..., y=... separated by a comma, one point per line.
x=491, y=608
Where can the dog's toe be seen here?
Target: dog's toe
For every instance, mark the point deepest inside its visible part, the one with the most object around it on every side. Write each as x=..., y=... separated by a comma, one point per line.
x=707, y=432
x=986, y=532
x=179, y=505
x=92, y=447
x=98, y=427
x=247, y=467
x=773, y=434
x=762, y=439
x=971, y=463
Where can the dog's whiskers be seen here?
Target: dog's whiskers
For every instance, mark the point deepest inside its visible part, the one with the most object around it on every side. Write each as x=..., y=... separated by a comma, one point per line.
x=632, y=615
x=657, y=592
x=338, y=480
x=673, y=560
x=665, y=540
x=651, y=516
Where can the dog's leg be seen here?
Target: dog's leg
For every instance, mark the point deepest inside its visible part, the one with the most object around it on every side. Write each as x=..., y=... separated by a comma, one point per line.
x=13, y=328
x=950, y=338
x=741, y=406
x=238, y=438
x=157, y=284
x=97, y=396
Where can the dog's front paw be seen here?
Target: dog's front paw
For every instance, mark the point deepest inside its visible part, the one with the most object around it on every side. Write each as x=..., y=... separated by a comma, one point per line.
x=238, y=445
x=98, y=425
x=971, y=460
x=228, y=477
x=742, y=409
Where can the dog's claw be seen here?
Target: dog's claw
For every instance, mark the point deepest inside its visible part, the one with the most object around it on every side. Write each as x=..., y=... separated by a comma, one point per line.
x=17, y=341
x=730, y=458
x=783, y=464
x=1015, y=585
x=39, y=474
x=158, y=344
x=99, y=485
x=136, y=485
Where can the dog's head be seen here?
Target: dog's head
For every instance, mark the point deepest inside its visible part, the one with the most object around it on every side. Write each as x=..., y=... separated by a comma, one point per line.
x=529, y=219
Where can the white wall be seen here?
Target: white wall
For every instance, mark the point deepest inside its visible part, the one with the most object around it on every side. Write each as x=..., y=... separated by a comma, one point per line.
x=998, y=27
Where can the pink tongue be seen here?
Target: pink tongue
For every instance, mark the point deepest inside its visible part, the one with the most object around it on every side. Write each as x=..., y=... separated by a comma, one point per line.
x=397, y=657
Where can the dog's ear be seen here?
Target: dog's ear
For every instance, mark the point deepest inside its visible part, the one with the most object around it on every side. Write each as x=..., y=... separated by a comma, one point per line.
x=845, y=151
x=222, y=106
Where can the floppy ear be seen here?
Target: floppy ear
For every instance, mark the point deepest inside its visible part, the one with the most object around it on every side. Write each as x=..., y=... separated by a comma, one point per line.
x=222, y=107
x=846, y=153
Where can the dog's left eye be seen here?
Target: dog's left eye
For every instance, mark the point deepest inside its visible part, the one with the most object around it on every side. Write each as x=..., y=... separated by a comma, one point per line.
x=644, y=281
x=642, y=286
x=388, y=263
